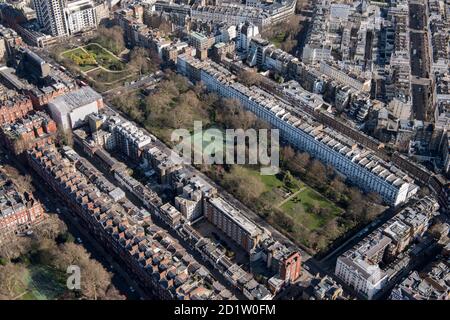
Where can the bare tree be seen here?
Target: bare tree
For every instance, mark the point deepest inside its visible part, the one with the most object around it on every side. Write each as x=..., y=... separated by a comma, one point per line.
x=338, y=185
x=249, y=77
x=317, y=170
x=95, y=280
x=12, y=280
x=51, y=227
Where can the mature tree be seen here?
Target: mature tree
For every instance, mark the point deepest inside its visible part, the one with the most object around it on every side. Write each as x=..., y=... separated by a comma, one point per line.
x=282, y=220
x=233, y=116
x=302, y=159
x=374, y=198
x=438, y=230
x=141, y=60
x=320, y=242
x=287, y=155
x=288, y=45
x=317, y=171
x=113, y=294
x=15, y=247
x=111, y=38
x=246, y=187
x=332, y=228
x=338, y=185
x=289, y=181
x=51, y=227
x=12, y=280
x=95, y=280
x=64, y=137
x=159, y=22
x=180, y=82
x=249, y=77
x=356, y=209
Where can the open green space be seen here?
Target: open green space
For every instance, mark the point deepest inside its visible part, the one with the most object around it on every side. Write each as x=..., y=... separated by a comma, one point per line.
x=104, y=76
x=91, y=56
x=44, y=283
x=278, y=38
x=310, y=209
x=104, y=58
x=102, y=69
x=271, y=182
x=83, y=59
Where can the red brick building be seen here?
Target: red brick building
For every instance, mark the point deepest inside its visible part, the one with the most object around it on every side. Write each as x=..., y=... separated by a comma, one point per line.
x=36, y=129
x=13, y=108
x=18, y=211
x=290, y=267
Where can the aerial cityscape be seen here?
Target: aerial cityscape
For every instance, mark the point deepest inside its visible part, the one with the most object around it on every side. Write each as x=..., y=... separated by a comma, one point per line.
x=225, y=150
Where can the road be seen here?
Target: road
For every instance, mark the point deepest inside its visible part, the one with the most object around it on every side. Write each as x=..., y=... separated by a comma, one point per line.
x=311, y=266
x=144, y=81
x=121, y=279
x=329, y=261
x=419, y=59
x=160, y=224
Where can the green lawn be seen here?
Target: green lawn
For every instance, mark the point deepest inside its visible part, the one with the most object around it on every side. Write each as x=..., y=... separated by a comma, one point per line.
x=270, y=181
x=78, y=52
x=104, y=58
x=44, y=283
x=275, y=190
x=109, y=77
x=300, y=209
x=278, y=38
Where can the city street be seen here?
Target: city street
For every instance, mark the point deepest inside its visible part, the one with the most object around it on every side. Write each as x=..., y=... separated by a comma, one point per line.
x=121, y=279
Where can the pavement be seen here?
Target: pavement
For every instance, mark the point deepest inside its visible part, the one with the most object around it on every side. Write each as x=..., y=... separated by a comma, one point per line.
x=120, y=277
x=310, y=267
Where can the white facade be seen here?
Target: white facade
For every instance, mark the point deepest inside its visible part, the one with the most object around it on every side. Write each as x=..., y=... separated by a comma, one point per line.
x=70, y=110
x=190, y=209
x=80, y=15
x=245, y=33
x=313, y=53
x=361, y=166
x=50, y=15
x=362, y=277
x=62, y=18
x=364, y=267
x=130, y=139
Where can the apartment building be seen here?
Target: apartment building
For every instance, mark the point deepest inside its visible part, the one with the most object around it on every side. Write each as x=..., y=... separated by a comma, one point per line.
x=13, y=105
x=433, y=283
x=232, y=14
x=50, y=15
x=64, y=17
x=233, y=223
x=33, y=130
x=163, y=164
x=80, y=15
x=152, y=256
x=36, y=79
x=360, y=165
x=9, y=41
x=190, y=192
x=360, y=267
x=201, y=43
x=18, y=210
x=357, y=83
x=129, y=139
